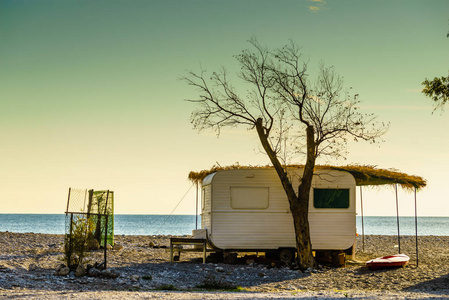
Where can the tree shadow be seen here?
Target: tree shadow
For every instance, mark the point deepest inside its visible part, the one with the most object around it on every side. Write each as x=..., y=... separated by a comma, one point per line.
x=432, y=286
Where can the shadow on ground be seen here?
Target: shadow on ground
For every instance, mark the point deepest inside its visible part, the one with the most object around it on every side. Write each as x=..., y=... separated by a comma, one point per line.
x=434, y=286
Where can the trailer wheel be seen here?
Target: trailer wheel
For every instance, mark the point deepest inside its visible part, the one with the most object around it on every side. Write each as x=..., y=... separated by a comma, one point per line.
x=286, y=255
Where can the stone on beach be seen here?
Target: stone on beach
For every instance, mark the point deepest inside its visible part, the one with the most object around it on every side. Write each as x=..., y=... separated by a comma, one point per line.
x=108, y=273
x=117, y=246
x=135, y=278
x=64, y=271
x=136, y=260
x=94, y=244
x=94, y=272
x=80, y=270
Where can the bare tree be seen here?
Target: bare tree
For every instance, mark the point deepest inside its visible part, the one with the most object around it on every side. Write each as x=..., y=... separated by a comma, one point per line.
x=283, y=101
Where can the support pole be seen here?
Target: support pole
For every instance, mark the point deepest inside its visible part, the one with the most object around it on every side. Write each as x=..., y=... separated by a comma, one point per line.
x=106, y=204
x=397, y=216
x=363, y=228
x=196, y=212
x=105, y=241
x=68, y=239
x=204, y=251
x=416, y=229
x=69, y=256
x=68, y=201
x=105, y=230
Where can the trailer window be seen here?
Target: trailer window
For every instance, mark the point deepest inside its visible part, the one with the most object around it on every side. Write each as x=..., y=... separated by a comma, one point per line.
x=249, y=197
x=331, y=198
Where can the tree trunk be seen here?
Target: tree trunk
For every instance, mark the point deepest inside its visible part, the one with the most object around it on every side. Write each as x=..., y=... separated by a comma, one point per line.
x=300, y=211
x=299, y=205
x=302, y=231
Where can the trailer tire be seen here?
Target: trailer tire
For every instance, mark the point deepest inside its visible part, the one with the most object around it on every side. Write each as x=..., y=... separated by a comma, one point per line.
x=286, y=255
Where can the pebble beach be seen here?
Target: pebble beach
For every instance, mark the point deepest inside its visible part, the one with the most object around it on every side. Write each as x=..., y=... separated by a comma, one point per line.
x=28, y=264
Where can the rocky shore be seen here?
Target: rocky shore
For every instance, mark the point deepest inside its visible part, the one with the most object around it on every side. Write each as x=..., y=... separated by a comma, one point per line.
x=141, y=269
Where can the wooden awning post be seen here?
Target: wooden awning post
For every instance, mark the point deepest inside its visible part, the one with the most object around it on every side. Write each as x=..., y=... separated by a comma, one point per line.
x=363, y=229
x=196, y=212
x=416, y=229
x=397, y=216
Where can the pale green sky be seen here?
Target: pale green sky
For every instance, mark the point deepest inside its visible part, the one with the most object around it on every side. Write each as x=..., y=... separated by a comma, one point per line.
x=90, y=95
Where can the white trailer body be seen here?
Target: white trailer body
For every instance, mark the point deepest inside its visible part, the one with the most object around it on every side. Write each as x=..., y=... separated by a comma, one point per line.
x=247, y=209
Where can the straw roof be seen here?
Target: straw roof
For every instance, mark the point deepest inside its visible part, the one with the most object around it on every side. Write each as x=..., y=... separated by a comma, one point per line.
x=363, y=174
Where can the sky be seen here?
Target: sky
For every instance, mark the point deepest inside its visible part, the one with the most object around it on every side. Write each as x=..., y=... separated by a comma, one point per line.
x=91, y=96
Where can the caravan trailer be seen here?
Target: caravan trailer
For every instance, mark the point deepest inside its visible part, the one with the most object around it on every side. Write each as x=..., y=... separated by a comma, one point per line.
x=247, y=210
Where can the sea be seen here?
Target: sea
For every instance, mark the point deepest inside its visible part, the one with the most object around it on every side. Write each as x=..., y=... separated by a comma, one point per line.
x=184, y=224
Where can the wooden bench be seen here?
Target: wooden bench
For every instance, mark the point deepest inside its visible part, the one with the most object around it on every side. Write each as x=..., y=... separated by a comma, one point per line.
x=187, y=241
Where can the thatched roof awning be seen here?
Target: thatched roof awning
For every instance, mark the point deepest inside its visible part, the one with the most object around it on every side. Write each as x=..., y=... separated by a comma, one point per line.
x=370, y=175
x=364, y=175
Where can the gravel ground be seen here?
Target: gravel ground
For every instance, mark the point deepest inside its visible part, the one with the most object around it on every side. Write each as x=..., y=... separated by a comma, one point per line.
x=28, y=262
